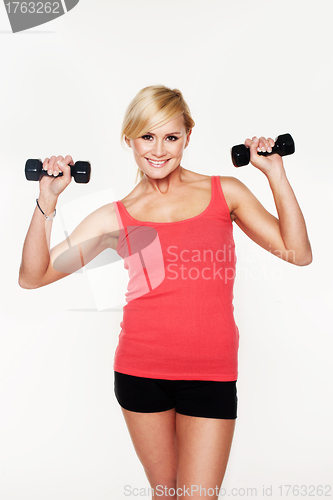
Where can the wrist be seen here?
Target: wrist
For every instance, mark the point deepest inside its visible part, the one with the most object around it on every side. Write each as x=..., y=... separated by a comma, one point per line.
x=276, y=174
x=48, y=197
x=47, y=203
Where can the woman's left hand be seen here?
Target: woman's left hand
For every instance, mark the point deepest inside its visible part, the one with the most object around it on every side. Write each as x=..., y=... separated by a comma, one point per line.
x=263, y=163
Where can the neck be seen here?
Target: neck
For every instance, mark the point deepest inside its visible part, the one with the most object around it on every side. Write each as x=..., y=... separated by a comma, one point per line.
x=164, y=184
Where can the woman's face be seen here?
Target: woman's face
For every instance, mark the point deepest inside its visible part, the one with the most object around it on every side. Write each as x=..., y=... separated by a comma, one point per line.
x=159, y=151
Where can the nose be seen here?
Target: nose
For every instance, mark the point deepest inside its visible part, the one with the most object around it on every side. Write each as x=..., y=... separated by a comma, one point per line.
x=158, y=148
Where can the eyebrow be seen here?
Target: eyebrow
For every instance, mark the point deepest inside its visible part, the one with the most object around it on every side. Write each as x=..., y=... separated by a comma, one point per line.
x=170, y=133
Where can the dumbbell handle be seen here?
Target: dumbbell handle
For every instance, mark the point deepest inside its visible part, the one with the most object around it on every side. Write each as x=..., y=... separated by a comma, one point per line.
x=45, y=172
x=275, y=149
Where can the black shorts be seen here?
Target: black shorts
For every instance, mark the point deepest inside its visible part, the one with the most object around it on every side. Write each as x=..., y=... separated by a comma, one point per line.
x=197, y=398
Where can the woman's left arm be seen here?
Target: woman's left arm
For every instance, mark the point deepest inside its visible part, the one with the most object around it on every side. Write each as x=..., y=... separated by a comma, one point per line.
x=288, y=235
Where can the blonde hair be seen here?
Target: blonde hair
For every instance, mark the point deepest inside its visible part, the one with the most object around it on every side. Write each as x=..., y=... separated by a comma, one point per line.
x=153, y=107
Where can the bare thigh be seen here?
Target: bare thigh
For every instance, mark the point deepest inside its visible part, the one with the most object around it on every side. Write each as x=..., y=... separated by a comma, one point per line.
x=154, y=440
x=203, y=452
x=179, y=451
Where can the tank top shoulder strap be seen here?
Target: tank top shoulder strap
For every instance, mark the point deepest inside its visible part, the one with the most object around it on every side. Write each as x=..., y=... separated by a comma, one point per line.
x=118, y=213
x=218, y=200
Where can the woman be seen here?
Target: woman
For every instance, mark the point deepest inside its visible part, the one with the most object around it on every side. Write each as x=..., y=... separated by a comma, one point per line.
x=176, y=360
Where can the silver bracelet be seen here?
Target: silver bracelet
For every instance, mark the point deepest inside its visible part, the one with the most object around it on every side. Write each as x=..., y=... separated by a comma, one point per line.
x=46, y=216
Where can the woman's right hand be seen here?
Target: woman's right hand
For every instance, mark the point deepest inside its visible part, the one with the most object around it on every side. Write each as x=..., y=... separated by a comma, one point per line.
x=56, y=185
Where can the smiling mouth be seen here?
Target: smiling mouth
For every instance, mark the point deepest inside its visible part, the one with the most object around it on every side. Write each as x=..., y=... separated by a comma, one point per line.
x=157, y=163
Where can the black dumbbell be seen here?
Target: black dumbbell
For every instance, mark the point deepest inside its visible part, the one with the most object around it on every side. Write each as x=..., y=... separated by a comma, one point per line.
x=80, y=171
x=284, y=145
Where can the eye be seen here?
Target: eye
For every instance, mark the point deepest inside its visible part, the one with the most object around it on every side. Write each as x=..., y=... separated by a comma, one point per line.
x=174, y=138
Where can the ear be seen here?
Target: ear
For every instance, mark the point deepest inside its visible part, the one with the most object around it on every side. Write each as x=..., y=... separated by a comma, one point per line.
x=188, y=138
x=127, y=142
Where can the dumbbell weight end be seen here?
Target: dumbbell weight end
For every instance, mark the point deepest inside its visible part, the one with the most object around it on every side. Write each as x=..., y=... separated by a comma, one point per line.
x=80, y=171
x=284, y=145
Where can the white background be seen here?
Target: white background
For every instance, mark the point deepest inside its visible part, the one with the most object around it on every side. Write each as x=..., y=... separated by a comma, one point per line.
x=245, y=68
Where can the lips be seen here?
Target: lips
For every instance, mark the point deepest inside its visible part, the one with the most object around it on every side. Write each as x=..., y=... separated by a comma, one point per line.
x=157, y=165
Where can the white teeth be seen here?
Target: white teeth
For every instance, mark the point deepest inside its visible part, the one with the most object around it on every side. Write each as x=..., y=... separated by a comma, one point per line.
x=157, y=162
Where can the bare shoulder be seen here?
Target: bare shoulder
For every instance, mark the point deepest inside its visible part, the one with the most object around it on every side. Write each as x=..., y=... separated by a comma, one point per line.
x=109, y=220
x=233, y=190
x=196, y=177
x=199, y=182
x=102, y=223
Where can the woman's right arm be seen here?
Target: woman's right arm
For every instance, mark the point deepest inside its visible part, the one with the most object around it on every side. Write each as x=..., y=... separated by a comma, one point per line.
x=98, y=231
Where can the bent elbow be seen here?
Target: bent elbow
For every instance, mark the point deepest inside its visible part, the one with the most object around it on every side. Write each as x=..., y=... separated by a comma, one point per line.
x=305, y=262
x=25, y=285
x=21, y=283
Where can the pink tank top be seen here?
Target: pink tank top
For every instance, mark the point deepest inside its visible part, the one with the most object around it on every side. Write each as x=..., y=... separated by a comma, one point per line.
x=178, y=321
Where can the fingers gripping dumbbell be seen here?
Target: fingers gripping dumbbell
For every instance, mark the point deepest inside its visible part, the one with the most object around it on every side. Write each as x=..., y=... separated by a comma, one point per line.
x=284, y=145
x=80, y=171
